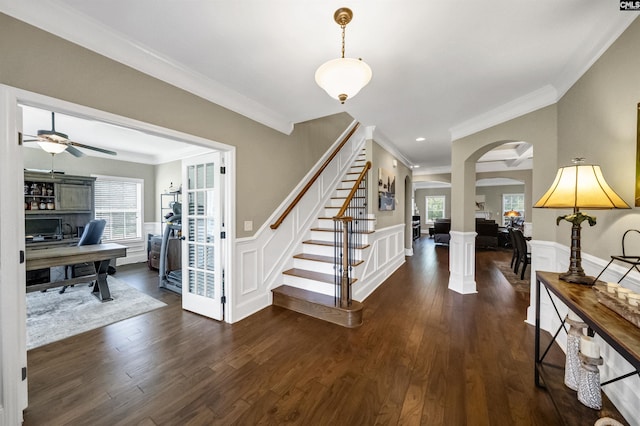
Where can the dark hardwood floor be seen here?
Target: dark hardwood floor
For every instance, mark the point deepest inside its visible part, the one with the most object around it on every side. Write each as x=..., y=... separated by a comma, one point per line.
x=424, y=356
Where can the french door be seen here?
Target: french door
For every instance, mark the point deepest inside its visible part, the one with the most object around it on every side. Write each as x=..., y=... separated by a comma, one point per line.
x=202, y=229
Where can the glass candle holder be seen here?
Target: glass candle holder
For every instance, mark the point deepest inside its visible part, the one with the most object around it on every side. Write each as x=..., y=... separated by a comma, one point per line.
x=572, y=363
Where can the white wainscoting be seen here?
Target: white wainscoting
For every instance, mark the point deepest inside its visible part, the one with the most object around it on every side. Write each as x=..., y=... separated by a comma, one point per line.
x=260, y=260
x=551, y=256
x=382, y=258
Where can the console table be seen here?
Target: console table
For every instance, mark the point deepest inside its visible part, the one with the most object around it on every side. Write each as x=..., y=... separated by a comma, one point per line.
x=100, y=254
x=620, y=334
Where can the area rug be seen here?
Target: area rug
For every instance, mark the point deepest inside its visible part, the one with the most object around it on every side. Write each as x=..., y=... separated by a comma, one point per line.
x=52, y=316
x=514, y=280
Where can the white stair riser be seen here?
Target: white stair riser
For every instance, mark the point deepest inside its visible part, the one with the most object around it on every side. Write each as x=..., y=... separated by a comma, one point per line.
x=310, y=285
x=323, y=236
x=336, y=202
x=316, y=249
x=324, y=267
x=312, y=265
x=327, y=251
x=326, y=223
x=330, y=237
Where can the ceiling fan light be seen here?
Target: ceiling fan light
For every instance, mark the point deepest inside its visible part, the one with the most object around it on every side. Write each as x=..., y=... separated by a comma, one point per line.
x=52, y=147
x=343, y=76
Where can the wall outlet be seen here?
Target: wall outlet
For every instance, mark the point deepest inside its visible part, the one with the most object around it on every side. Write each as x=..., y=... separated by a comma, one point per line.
x=248, y=225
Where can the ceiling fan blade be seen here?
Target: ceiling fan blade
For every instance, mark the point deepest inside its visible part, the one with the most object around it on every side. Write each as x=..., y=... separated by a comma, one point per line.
x=80, y=145
x=74, y=151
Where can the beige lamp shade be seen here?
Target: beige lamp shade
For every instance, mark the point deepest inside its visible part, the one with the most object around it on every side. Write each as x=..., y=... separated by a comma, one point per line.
x=581, y=186
x=512, y=213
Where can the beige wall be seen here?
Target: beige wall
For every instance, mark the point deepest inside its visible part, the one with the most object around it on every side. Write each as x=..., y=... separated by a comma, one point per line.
x=381, y=158
x=35, y=158
x=165, y=175
x=597, y=120
x=422, y=193
x=269, y=163
x=493, y=198
x=538, y=128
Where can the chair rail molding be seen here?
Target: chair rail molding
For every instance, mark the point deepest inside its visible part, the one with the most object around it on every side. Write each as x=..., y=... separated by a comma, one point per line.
x=552, y=256
x=260, y=260
x=462, y=262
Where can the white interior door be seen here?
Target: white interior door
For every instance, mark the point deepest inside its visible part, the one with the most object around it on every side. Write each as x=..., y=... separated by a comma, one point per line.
x=13, y=352
x=202, y=227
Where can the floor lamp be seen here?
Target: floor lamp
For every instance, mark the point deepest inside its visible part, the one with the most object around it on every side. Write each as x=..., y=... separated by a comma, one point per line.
x=581, y=186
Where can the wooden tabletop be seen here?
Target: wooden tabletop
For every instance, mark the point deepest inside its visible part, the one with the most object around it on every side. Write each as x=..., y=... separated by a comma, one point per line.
x=622, y=335
x=39, y=258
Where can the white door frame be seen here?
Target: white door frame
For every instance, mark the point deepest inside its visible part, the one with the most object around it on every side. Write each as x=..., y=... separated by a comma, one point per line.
x=13, y=336
x=13, y=355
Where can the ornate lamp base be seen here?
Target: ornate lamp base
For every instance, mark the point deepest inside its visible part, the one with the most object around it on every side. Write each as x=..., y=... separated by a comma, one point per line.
x=572, y=277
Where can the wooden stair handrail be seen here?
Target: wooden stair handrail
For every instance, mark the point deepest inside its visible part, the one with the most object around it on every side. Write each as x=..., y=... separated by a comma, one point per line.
x=315, y=177
x=345, y=206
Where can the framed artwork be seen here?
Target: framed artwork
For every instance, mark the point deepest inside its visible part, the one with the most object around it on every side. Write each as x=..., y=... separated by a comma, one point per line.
x=638, y=156
x=386, y=190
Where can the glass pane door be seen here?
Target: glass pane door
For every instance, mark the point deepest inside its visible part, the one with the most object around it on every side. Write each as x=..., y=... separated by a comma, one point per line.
x=201, y=224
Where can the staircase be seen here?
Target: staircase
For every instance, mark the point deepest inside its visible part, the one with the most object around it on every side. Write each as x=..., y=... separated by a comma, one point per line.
x=312, y=287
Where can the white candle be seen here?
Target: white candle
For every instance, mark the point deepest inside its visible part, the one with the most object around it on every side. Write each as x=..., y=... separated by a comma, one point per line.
x=588, y=347
x=633, y=299
x=573, y=317
x=622, y=293
x=612, y=287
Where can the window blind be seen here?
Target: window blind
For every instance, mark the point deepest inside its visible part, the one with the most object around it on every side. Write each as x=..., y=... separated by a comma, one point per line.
x=118, y=201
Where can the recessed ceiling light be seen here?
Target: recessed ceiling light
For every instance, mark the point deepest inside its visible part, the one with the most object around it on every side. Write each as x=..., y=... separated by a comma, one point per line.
x=415, y=166
x=420, y=139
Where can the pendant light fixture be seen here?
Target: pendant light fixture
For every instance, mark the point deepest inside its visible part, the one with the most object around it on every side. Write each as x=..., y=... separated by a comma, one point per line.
x=343, y=78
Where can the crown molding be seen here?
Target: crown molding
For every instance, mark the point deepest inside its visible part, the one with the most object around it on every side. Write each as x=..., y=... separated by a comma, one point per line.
x=532, y=101
x=382, y=140
x=584, y=58
x=577, y=65
x=62, y=21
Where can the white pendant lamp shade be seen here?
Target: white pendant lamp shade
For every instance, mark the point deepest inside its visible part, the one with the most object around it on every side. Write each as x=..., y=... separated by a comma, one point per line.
x=343, y=78
x=52, y=147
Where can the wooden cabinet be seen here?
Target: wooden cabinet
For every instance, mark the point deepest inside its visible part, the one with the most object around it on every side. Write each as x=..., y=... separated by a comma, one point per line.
x=46, y=193
x=174, y=253
x=65, y=198
x=76, y=197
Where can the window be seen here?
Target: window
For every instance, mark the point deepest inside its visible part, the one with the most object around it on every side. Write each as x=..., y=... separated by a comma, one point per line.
x=512, y=202
x=119, y=201
x=434, y=207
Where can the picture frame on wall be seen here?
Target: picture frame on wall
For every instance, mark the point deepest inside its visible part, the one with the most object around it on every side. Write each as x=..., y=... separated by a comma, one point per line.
x=386, y=190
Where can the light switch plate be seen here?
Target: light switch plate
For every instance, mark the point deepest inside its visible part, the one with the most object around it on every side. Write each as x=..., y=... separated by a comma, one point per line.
x=248, y=225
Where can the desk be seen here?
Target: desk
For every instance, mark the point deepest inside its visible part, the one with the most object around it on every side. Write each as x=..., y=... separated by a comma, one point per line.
x=100, y=254
x=619, y=333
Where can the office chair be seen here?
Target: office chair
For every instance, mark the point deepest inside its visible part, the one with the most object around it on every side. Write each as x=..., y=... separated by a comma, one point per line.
x=92, y=235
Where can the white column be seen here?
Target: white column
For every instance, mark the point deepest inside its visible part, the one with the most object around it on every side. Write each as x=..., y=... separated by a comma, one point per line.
x=545, y=256
x=462, y=262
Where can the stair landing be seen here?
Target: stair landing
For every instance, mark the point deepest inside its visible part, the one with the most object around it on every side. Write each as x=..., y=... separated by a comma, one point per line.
x=318, y=306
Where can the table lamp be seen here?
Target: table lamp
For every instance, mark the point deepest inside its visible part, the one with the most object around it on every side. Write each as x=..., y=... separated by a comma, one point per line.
x=512, y=214
x=581, y=186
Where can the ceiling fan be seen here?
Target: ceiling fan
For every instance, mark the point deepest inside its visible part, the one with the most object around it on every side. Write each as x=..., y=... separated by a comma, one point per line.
x=55, y=142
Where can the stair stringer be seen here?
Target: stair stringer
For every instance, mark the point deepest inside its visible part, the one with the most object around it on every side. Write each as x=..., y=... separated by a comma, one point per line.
x=260, y=260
